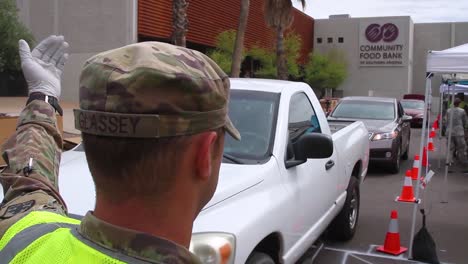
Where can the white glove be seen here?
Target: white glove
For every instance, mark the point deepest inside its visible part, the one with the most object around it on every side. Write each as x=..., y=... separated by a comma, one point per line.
x=43, y=67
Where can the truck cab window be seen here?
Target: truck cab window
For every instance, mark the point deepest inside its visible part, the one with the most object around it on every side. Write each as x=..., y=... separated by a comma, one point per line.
x=302, y=117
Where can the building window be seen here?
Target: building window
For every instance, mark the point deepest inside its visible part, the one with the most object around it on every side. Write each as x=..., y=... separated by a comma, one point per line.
x=330, y=40
x=340, y=40
x=319, y=40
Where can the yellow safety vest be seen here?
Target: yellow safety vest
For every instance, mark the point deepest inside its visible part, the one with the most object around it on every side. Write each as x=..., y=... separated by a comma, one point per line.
x=46, y=237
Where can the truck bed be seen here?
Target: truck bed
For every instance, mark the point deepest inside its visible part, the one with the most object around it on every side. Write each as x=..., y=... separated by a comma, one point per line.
x=348, y=136
x=337, y=125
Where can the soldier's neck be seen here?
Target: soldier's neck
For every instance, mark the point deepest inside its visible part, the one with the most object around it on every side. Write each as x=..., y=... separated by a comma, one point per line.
x=172, y=222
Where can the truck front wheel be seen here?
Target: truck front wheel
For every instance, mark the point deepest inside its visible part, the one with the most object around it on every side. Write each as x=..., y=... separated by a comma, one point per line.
x=259, y=258
x=344, y=225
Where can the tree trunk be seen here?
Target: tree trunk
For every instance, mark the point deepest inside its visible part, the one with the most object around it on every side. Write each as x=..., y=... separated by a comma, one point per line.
x=239, y=44
x=281, y=67
x=179, y=22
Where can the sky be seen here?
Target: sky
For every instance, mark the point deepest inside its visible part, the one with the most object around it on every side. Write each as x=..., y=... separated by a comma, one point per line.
x=421, y=11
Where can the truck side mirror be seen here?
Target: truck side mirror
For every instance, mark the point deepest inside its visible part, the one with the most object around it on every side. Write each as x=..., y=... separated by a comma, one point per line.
x=308, y=146
x=313, y=146
x=407, y=118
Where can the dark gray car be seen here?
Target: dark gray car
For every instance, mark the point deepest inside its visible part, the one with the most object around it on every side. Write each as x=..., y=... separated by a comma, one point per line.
x=388, y=126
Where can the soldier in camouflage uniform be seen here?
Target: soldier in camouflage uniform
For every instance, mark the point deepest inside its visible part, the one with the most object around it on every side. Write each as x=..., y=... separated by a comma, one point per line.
x=459, y=122
x=153, y=118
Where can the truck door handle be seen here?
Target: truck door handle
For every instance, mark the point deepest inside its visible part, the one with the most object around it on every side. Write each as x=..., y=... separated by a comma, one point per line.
x=329, y=164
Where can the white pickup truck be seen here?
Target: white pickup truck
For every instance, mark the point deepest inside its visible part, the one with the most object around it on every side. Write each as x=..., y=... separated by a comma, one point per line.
x=288, y=179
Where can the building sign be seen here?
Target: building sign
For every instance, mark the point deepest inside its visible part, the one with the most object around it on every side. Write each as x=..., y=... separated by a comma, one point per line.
x=381, y=43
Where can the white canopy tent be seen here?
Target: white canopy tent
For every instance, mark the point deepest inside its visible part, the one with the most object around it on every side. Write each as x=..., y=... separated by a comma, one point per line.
x=453, y=61
x=455, y=88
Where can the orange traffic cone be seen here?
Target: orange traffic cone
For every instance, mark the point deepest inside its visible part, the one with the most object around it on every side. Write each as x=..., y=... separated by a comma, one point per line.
x=415, y=170
x=409, y=173
x=392, y=239
x=430, y=145
x=432, y=134
x=407, y=194
x=424, y=160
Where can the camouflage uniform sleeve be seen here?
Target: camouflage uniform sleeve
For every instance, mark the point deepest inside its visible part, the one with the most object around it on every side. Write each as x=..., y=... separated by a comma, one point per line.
x=37, y=138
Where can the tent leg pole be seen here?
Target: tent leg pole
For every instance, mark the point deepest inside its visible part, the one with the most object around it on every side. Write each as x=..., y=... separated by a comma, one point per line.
x=449, y=151
x=429, y=112
x=441, y=101
x=423, y=141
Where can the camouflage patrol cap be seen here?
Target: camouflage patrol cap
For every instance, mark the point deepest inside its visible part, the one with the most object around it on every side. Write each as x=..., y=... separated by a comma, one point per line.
x=152, y=90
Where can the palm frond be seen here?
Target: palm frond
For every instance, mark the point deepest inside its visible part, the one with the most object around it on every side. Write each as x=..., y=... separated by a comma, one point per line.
x=303, y=3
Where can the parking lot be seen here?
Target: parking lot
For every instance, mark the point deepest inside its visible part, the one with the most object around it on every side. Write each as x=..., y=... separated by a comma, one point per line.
x=447, y=222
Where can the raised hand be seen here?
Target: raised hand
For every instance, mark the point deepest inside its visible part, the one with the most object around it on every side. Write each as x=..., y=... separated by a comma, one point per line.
x=43, y=67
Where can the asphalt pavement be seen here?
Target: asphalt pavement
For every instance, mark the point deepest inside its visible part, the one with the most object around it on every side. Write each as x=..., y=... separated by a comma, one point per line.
x=446, y=222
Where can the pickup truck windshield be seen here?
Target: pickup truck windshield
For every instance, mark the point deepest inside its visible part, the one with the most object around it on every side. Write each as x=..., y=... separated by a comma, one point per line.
x=254, y=114
x=365, y=110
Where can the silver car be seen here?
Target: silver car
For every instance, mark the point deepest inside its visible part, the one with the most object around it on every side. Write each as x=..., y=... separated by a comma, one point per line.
x=388, y=126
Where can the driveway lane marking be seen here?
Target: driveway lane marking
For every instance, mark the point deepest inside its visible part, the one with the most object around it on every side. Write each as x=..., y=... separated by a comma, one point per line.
x=363, y=260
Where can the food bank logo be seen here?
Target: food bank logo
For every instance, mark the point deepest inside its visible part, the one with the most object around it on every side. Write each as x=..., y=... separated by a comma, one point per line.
x=388, y=32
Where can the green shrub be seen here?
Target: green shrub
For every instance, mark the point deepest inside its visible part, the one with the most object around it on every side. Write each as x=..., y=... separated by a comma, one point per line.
x=325, y=71
x=222, y=54
x=223, y=59
x=266, y=58
x=11, y=31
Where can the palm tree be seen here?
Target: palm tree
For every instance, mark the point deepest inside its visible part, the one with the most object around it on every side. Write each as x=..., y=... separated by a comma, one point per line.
x=239, y=44
x=179, y=22
x=278, y=15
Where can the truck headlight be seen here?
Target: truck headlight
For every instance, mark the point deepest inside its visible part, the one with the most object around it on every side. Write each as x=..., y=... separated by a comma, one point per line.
x=213, y=248
x=381, y=136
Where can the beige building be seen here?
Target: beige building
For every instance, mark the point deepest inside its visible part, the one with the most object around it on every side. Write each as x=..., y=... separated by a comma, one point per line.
x=90, y=26
x=386, y=56
x=376, y=66
x=434, y=36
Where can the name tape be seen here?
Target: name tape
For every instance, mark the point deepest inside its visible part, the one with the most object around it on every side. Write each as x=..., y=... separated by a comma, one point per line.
x=147, y=125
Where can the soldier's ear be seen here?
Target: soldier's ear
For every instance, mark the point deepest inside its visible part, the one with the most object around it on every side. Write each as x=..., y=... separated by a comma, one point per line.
x=204, y=154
